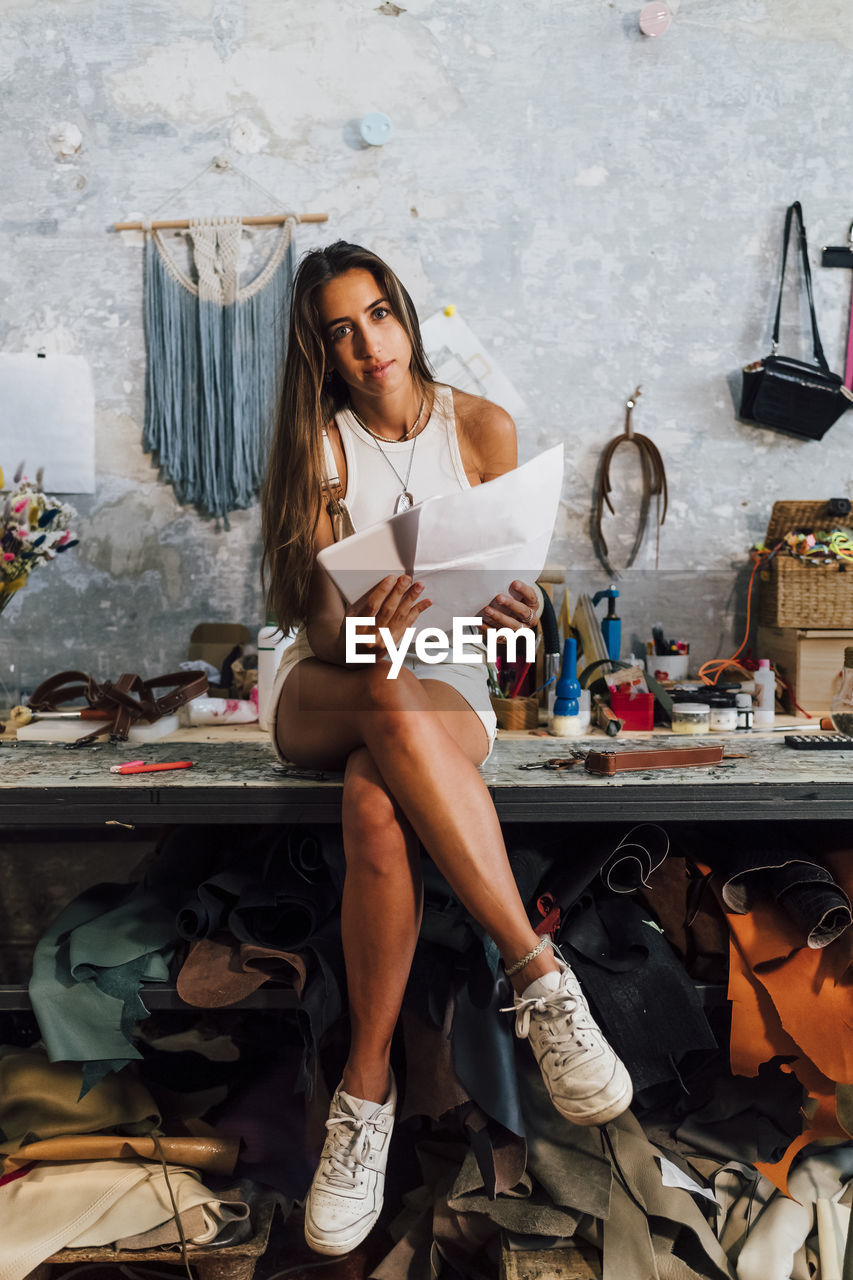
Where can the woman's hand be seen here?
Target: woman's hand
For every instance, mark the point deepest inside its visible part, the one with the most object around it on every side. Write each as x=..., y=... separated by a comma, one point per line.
x=394, y=604
x=519, y=607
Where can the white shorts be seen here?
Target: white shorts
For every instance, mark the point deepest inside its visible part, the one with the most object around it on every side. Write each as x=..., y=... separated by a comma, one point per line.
x=469, y=679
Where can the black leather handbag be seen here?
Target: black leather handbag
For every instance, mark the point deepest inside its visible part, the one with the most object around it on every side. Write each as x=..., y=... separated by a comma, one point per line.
x=802, y=400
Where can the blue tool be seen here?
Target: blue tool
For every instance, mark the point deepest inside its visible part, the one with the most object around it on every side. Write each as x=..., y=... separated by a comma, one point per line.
x=568, y=690
x=611, y=626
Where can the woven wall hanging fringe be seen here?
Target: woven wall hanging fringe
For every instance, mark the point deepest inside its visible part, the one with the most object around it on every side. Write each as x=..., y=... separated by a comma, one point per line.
x=214, y=355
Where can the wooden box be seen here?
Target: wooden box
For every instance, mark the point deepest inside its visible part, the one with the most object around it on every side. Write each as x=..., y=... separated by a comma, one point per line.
x=809, y=659
x=793, y=593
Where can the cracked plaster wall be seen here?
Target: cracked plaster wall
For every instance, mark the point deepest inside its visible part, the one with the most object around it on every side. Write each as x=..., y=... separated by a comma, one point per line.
x=602, y=208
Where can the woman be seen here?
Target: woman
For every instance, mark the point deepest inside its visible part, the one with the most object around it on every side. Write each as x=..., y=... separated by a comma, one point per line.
x=357, y=385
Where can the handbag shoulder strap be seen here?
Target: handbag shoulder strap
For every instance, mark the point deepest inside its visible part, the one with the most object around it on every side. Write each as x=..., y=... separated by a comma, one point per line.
x=795, y=211
x=331, y=478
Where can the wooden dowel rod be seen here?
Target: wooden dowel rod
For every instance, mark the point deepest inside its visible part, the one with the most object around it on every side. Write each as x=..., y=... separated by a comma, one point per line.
x=261, y=220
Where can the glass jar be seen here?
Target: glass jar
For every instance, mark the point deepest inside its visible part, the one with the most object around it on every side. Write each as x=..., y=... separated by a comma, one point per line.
x=841, y=707
x=691, y=717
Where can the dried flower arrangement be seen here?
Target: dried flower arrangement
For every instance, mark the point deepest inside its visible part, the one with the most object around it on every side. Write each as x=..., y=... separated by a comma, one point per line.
x=34, y=528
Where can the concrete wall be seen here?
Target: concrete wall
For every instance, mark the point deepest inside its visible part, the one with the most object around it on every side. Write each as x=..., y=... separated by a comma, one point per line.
x=603, y=209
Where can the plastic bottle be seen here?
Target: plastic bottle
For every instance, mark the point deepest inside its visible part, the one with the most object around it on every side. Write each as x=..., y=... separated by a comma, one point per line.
x=841, y=707
x=765, y=696
x=566, y=720
x=271, y=645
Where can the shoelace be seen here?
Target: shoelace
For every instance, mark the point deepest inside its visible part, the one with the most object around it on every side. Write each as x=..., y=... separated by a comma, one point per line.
x=578, y=1020
x=351, y=1136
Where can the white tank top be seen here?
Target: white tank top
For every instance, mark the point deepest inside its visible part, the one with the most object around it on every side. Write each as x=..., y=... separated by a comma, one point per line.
x=372, y=485
x=373, y=488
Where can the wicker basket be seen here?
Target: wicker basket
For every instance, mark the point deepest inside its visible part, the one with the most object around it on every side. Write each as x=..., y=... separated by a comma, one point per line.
x=516, y=713
x=794, y=593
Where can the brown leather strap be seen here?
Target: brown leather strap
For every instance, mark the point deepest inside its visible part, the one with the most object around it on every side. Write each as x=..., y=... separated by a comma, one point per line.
x=130, y=698
x=610, y=762
x=654, y=485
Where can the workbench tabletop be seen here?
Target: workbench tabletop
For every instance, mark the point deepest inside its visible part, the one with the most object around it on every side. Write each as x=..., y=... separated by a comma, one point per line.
x=44, y=784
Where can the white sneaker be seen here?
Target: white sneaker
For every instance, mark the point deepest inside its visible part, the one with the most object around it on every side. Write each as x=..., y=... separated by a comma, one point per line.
x=348, y=1188
x=587, y=1082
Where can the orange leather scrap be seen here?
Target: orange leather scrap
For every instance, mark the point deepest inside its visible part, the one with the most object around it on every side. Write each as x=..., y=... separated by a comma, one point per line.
x=795, y=1002
x=822, y=1124
x=810, y=991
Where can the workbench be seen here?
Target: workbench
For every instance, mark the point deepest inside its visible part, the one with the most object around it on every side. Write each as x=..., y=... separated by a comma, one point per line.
x=236, y=779
x=239, y=780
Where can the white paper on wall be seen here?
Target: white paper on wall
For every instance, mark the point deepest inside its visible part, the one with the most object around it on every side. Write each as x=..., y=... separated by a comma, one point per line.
x=460, y=360
x=47, y=419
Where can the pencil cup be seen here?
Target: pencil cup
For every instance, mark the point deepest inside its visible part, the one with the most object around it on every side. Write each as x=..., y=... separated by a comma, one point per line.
x=668, y=666
x=516, y=713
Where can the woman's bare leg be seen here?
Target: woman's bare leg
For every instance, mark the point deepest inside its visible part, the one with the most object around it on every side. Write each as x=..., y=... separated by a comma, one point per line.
x=380, y=919
x=327, y=712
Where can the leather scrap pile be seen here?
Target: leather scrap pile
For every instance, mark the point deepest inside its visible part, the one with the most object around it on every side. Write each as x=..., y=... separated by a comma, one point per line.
x=720, y=971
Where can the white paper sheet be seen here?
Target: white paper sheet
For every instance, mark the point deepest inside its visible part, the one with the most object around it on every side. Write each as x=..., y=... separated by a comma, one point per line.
x=47, y=419
x=465, y=547
x=459, y=358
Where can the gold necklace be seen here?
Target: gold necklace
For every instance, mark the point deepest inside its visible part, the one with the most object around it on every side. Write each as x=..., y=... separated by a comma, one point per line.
x=405, y=501
x=388, y=439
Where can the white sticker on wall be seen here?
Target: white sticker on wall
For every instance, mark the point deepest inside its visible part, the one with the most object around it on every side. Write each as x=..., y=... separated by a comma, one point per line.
x=47, y=419
x=460, y=360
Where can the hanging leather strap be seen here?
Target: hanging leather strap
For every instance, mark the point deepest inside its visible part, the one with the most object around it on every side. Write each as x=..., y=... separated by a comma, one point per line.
x=654, y=485
x=795, y=211
x=130, y=698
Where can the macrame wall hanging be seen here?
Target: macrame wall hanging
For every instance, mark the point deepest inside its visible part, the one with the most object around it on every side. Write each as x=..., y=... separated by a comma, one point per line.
x=215, y=353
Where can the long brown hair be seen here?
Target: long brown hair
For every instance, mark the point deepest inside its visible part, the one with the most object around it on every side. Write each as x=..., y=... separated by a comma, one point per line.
x=291, y=493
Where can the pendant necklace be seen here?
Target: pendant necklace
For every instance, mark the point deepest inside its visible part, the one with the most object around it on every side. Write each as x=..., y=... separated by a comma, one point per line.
x=405, y=501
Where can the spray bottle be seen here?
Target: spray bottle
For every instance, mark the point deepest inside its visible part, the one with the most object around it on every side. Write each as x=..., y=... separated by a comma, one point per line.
x=611, y=626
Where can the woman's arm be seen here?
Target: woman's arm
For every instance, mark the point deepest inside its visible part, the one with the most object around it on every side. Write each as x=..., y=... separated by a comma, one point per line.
x=326, y=608
x=393, y=602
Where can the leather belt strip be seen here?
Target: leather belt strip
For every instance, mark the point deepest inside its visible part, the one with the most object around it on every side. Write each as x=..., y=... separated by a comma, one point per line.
x=654, y=486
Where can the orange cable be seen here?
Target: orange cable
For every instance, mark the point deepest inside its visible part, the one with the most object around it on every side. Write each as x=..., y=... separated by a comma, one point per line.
x=716, y=666
x=710, y=672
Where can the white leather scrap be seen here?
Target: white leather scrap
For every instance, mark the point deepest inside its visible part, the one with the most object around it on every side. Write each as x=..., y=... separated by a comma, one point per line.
x=88, y=1204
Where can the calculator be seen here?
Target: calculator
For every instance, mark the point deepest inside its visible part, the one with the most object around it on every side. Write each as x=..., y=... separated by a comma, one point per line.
x=819, y=741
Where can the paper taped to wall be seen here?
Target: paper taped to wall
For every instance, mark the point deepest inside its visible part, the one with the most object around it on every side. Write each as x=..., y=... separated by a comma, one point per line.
x=47, y=419
x=460, y=360
x=465, y=547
